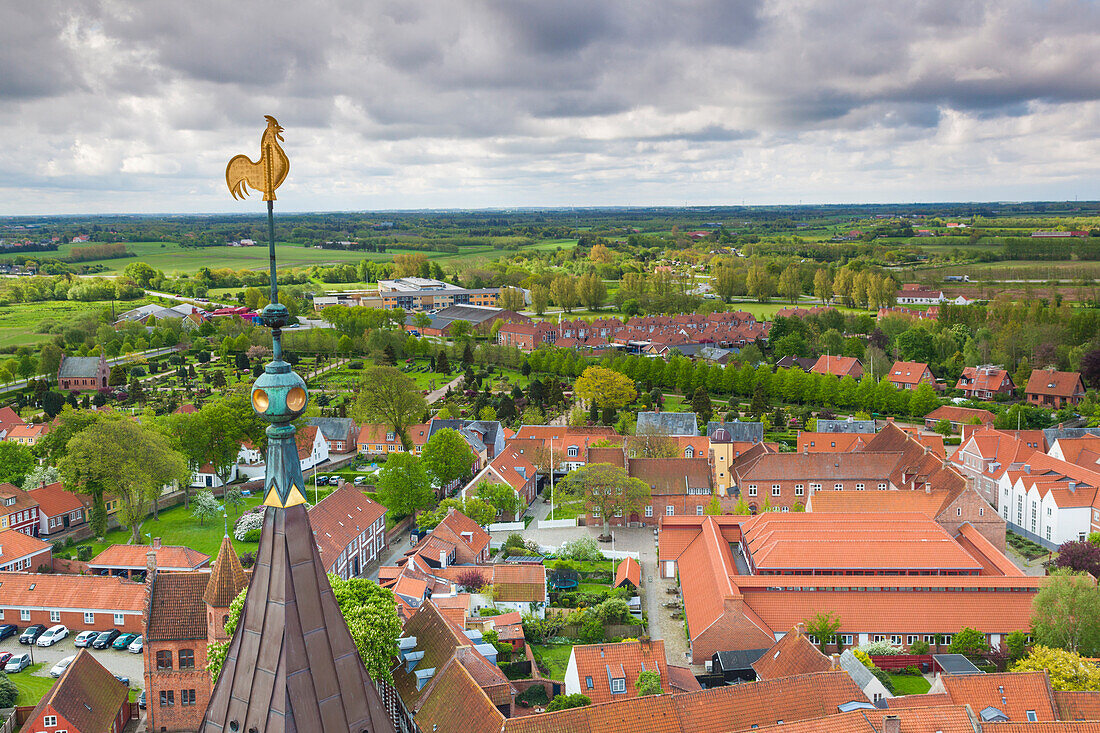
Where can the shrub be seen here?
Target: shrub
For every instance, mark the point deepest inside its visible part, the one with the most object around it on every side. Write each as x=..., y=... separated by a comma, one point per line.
x=252, y=535
x=58, y=547
x=247, y=522
x=248, y=559
x=533, y=695
x=84, y=553
x=919, y=647
x=880, y=649
x=45, y=569
x=564, y=702
x=884, y=679
x=592, y=630
x=582, y=548
x=613, y=610
x=8, y=692
x=863, y=658
x=355, y=365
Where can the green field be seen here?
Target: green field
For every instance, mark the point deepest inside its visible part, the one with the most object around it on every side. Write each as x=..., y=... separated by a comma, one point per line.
x=19, y=320
x=174, y=259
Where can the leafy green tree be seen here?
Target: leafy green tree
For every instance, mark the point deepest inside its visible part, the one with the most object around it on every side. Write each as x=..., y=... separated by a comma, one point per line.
x=714, y=507
x=1066, y=613
x=204, y=507
x=943, y=427
x=447, y=456
x=389, y=396
x=923, y=400
x=648, y=683
x=213, y=435
x=823, y=627
x=502, y=497
x=1067, y=670
x=608, y=490
x=371, y=614
x=540, y=299
x=16, y=462
x=565, y=702
x=701, y=405
x=605, y=388
x=129, y=460
x=969, y=642
x=476, y=509
x=1017, y=645
x=403, y=484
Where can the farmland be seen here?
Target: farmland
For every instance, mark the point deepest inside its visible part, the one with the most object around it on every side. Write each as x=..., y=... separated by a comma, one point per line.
x=19, y=321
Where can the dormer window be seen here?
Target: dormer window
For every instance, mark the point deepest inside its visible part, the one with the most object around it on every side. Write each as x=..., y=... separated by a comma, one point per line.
x=9, y=501
x=588, y=683
x=572, y=452
x=618, y=685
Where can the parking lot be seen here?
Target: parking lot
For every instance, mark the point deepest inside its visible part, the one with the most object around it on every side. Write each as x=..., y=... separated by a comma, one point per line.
x=122, y=663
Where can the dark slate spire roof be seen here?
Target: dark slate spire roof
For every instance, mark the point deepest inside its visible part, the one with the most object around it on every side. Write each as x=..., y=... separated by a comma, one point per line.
x=292, y=664
x=227, y=577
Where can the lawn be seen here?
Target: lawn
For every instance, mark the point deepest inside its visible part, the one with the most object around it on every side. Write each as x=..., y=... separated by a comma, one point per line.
x=19, y=321
x=909, y=684
x=31, y=688
x=554, y=658
x=176, y=526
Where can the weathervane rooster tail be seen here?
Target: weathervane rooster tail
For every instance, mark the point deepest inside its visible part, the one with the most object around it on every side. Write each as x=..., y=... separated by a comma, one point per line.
x=267, y=173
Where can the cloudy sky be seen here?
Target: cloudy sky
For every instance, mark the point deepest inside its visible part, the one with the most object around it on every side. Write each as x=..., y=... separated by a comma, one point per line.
x=137, y=105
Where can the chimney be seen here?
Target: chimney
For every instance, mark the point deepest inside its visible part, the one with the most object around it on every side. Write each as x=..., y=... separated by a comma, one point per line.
x=150, y=564
x=835, y=659
x=800, y=628
x=156, y=543
x=891, y=724
x=442, y=558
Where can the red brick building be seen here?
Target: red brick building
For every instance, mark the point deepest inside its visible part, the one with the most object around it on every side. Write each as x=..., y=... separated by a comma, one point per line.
x=1054, y=389
x=910, y=374
x=19, y=551
x=58, y=510
x=527, y=336
x=185, y=612
x=18, y=510
x=350, y=531
x=985, y=382
x=78, y=373
x=85, y=699
x=78, y=601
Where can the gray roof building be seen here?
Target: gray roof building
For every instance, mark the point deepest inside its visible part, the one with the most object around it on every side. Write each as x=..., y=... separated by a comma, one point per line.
x=735, y=432
x=1058, y=433
x=667, y=423
x=846, y=426
x=335, y=428
x=79, y=366
x=487, y=435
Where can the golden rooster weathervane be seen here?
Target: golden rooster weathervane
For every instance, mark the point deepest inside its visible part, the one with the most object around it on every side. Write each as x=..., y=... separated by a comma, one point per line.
x=266, y=174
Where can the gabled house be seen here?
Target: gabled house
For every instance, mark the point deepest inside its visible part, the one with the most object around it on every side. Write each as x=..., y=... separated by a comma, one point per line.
x=793, y=654
x=986, y=455
x=19, y=551
x=312, y=451
x=958, y=417
x=1054, y=389
x=910, y=374
x=85, y=699
x=27, y=434
x=512, y=469
x=466, y=542
x=339, y=432
x=350, y=531
x=58, y=510
x=131, y=560
x=838, y=366
x=667, y=423
x=569, y=444
x=376, y=439
x=813, y=442
x=79, y=373
x=985, y=382
x=606, y=672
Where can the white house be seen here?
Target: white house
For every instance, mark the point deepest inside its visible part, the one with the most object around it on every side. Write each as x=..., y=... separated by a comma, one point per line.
x=1050, y=501
x=312, y=450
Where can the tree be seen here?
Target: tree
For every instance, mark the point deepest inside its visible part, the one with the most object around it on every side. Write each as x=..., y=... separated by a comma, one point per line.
x=943, y=427
x=1090, y=368
x=126, y=459
x=49, y=359
x=403, y=484
x=389, y=396
x=476, y=509
x=608, y=491
x=205, y=507
x=511, y=299
x=1017, y=645
x=923, y=400
x=714, y=507
x=700, y=405
x=565, y=702
x=648, y=683
x=591, y=291
x=1067, y=670
x=502, y=497
x=823, y=627
x=447, y=457
x=823, y=286
x=969, y=642
x=213, y=435
x=540, y=299
x=605, y=388
x=790, y=283
x=564, y=292
x=1079, y=557
x=442, y=366
x=40, y=476
x=459, y=330
x=1066, y=613
x=234, y=497
x=52, y=402
x=16, y=462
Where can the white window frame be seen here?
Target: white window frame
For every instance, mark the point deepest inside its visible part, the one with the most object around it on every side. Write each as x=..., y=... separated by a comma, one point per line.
x=846, y=639
x=799, y=490
x=752, y=489
x=120, y=619
x=895, y=639
x=838, y=486
x=859, y=487
x=49, y=721
x=24, y=614
x=572, y=452
x=649, y=510
x=882, y=486
x=670, y=510
x=698, y=510
x=55, y=617
x=618, y=685
x=776, y=489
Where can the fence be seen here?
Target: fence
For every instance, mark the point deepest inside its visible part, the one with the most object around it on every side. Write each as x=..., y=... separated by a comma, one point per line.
x=901, y=661
x=507, y=527
x=620, y=554
x=557, y=523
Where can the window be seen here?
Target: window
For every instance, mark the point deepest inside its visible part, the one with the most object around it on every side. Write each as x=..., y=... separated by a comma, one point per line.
x=669, y=510
x=55, y=617
x=752, y=489
x=846, y=639
x=24, y=615
x=119, y=620
x=946, y=639
x=958, y=511
x=879, y=637
x=981, y=511
x=1031, y=717
x=649, y=511
x=1048, y=533
x=775, y=490
x=882, y=486
x=912, y=639
x=895, y=639
x=815, y=487
x=572, y=452
x=49, y=721
x=187, y=697
x=618, y=685
x=618, y=512
x=698, y=510
x=167, y=698
x=595, y=511
x=164, y=660
x=187, y=658
x=588, y=683
x=838, y=486
x=798, y=490
x=859, y=487
x=689, y=452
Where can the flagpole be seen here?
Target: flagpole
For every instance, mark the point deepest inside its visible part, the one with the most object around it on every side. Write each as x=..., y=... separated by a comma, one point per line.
x=551, y=478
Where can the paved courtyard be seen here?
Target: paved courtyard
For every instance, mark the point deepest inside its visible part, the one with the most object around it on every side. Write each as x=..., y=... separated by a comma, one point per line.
x=118, y=662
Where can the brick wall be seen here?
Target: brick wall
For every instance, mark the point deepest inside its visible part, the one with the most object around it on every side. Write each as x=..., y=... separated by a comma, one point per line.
x=103, y=621
x=976, y=510
x=177, y=716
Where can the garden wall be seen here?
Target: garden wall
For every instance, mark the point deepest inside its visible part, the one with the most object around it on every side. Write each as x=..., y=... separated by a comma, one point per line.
x=901, y=661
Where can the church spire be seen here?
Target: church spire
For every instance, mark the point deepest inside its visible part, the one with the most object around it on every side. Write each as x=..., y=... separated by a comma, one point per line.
x=292, y=664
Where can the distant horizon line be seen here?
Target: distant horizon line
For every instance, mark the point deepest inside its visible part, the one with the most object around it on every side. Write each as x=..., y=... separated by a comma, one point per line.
x=513, y=209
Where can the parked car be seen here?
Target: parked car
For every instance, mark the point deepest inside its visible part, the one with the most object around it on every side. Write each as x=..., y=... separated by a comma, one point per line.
x=85, y=639
x=18, y=663
x=333, y=480
x=124, y=641
x=105, y=639
x=322, y=480
x=360, y=480
x=136, y=646
x=59, y=669
x=123, y=680
x=53, y=635
x=7, y=630
x=4, y=657
x=31, y=633
x=141, y=700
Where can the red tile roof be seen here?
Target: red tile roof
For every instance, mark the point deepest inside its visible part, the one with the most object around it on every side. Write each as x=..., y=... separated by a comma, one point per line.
x=682, y=679
x=942, y=719
x=628, y=570
x=791, y=655
x=340, y=518
x=23, y=499
x=520, y=582
x=1077, y=705
x=984, y=379
x=908, y=372
x=1014, y=694
x=176, y=609
x=227, y=577
x=169, y=557
x=829, y=442
x=467, y=536
x=625, y=660
x=15, y=545
x=86, y=696
x=1048, y=382
x=54, y=501
x=455, y=703
x=90, y=592
x=960, y=414
x=839, y=366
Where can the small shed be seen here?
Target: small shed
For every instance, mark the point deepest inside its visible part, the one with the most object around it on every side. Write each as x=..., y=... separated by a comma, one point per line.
x=628, y=574
x=953, y=664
